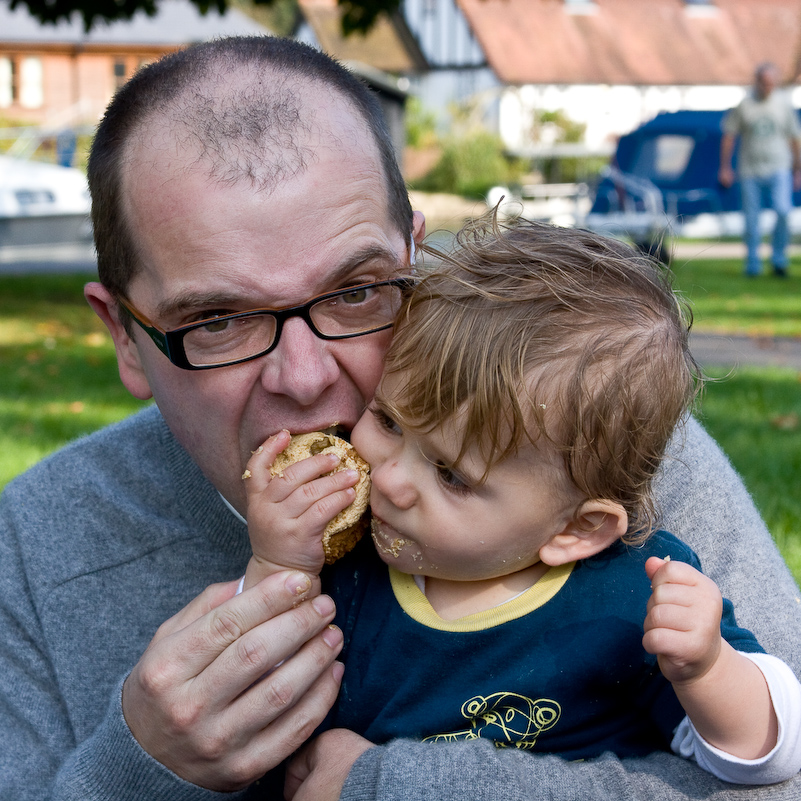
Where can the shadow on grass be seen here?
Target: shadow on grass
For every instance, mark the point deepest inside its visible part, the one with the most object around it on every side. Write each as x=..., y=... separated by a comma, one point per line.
x=51, y=396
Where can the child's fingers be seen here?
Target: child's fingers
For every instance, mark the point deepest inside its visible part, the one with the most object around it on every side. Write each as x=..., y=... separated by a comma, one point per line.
x=676, y=617
x=652, y=566
x=665, y=571
x=305, y=483
x=318, y=515
x=309, y=495
x=257, y=472
x=259, y=479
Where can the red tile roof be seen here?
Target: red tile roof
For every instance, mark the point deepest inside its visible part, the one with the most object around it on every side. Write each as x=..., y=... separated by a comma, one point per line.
x=640, y=42
x=387, y=46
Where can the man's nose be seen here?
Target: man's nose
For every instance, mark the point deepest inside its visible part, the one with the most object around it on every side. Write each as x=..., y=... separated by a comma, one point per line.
x=301, y=366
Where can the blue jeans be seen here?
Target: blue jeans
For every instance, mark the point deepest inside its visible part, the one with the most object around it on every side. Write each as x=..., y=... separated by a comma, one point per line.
x=779, y=189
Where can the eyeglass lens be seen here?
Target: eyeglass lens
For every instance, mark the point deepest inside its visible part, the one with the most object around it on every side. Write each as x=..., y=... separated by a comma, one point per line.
x=351, y=312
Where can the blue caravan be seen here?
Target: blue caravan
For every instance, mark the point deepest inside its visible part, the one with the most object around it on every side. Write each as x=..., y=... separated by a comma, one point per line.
x=663, y=180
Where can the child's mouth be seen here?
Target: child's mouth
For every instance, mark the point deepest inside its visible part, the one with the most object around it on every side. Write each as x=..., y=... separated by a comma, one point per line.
x=386, y=539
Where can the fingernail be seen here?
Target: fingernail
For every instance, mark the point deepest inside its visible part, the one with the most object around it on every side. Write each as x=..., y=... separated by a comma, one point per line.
x=298, y=584
x=332, y=636
x=353, y=475
x=338, y=671
x=324, y=605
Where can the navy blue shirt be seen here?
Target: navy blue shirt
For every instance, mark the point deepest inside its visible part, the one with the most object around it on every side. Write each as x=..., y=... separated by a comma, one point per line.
x=560, y=669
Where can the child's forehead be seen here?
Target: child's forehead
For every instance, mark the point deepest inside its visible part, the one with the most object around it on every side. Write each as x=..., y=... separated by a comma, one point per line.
x=452, y=438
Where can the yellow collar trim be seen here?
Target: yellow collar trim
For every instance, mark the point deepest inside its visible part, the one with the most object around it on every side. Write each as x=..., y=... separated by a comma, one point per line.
x=414, y=602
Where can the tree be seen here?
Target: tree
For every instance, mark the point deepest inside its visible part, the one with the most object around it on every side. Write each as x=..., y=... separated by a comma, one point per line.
x=358, y=15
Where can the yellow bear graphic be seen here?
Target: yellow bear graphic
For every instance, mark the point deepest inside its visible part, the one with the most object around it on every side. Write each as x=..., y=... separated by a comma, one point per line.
x=511, y=720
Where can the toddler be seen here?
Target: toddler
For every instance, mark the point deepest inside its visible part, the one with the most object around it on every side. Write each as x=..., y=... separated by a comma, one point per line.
x=518, y=589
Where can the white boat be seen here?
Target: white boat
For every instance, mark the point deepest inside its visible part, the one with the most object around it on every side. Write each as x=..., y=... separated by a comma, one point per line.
x=42, y=204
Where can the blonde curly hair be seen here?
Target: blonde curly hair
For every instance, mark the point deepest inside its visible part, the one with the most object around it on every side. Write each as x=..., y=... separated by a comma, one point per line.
x=554, y=336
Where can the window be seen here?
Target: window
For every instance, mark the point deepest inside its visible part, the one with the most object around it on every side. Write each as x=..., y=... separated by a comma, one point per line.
x=664, y=157
x=8, y=82
x=700, y=8
x=120, y=73
x=21, y=81
x=579, y=7
x=31, y=93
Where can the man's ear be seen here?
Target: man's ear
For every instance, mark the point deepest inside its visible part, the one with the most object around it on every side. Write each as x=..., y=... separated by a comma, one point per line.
x=596, y=525
x=129, y=362
x=418, y=227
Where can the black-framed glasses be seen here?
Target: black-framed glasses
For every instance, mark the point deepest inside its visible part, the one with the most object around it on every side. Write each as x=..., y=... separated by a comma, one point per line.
x=242, y=336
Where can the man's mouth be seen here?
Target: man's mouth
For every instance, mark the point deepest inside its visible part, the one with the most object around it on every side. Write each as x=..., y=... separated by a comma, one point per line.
x=336, y=430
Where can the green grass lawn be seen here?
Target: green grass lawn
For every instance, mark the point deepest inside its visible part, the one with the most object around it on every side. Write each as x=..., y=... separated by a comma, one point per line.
x=724, y=301
x=755, y=414
x=59, y=379
x=59, y=373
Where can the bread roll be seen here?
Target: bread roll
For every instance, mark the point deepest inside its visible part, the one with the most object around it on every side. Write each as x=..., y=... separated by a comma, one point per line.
x=347, y=528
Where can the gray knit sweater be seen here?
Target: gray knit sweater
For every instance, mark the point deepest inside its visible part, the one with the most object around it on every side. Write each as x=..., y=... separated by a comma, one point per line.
x=103, y=541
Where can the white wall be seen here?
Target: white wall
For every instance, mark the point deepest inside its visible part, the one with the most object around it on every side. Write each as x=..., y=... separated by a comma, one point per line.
x=607, y=111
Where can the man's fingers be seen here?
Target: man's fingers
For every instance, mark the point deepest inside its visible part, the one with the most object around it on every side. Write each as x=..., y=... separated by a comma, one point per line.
x=195, y=700
x=212, y=597
x=259, y=650
x=319, y=771
x=274, y=716
x=294, y=725
x=191, y=640
x=209, y=636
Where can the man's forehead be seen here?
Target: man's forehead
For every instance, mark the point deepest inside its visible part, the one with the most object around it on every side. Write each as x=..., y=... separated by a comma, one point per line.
x=261, y=132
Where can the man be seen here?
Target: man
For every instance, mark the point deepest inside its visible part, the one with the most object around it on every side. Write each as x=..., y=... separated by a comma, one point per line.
x=239, y=176
x=769, y=163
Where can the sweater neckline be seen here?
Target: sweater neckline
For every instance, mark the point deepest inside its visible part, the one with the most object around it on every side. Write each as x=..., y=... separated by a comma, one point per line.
x=199, y=500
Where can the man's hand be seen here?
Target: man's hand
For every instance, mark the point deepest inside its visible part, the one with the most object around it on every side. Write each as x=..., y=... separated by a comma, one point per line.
x=199, y=701
x=319, y=770
x=682, y=626
x=726, y=177
x=287, y=514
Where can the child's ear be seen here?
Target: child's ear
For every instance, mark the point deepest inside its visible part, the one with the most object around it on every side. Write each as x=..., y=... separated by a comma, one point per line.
x=596, y=525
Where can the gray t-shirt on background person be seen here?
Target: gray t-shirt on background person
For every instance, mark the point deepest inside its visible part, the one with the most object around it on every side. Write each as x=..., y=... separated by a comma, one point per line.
x=765, y=128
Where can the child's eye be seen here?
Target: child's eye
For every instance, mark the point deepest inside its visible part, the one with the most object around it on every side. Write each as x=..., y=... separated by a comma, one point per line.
x=385, y=421
x=452, y=481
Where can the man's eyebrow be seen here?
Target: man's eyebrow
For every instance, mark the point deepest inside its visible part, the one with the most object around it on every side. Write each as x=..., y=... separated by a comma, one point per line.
x=192, y=301
x=366, y=254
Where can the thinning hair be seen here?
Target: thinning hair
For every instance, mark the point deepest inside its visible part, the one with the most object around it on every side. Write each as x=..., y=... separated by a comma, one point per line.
x=252, y=129
x=532, y=333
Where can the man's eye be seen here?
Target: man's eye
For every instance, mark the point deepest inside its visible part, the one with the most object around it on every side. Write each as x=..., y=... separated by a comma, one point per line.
x=356, y=296
x=216, y=326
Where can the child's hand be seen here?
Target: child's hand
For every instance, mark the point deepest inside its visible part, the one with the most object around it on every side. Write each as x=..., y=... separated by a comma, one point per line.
x=682, y=626
x=287, y=514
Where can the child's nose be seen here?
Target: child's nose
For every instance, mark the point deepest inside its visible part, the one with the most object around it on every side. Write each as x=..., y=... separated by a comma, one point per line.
x=391, y=479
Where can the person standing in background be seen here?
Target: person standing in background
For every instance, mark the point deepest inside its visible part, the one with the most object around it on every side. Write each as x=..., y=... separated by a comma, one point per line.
x=769, y=163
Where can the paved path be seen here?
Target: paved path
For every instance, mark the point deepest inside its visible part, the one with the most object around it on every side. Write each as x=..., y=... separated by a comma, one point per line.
x=723, y=350
x=722, y=250
x=68, y=258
